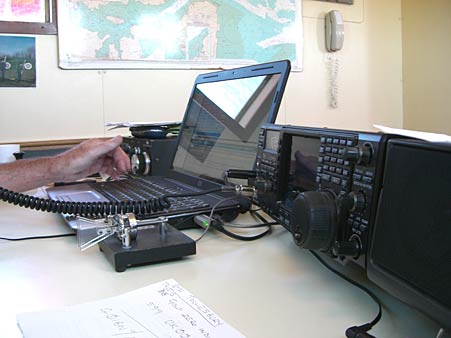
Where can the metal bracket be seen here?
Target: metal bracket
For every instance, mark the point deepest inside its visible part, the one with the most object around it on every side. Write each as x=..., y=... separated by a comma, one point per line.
x=124, y=226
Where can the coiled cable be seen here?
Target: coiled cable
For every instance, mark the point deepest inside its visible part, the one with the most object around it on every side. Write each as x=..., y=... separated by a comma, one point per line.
x=92, y=209
x=85, y=208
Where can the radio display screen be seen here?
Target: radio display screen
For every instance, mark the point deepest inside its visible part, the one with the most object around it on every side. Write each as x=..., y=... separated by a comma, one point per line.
x=272, y=140
x=303, y=164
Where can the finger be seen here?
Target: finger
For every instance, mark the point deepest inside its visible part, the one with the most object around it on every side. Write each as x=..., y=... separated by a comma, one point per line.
x=105, y=147
x=121, y=160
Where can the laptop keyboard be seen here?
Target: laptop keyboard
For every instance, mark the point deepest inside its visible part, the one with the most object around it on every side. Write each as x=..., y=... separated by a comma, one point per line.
x=139, y=188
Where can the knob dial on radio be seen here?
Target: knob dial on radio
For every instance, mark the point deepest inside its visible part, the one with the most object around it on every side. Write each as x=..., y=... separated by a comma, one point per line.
x=349, y=248
x=314, y=220
x=140, y=164
x=263, y=186
x=127, y=148
x=355, y=201
x=359, y=154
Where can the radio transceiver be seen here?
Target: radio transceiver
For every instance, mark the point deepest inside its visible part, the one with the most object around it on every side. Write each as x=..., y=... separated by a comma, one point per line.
x=379, y=200
x=320, y=184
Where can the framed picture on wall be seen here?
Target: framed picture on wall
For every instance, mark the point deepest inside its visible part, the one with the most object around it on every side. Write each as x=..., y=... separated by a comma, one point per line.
x=28, y=17
x=17, y=61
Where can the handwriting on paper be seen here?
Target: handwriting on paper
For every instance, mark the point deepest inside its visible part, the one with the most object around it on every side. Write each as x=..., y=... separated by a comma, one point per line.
x=160, y=310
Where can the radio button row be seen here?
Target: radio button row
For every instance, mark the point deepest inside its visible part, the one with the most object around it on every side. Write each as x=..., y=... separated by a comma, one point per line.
x=363, y=185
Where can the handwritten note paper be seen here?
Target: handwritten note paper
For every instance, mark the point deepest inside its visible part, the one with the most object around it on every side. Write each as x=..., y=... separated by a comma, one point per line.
x=163, y=309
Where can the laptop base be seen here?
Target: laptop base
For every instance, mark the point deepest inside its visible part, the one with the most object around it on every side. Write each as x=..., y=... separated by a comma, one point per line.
x=150, y=246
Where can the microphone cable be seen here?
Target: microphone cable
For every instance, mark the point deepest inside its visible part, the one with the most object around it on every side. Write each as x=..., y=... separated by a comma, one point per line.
x=95, y=208
x=360, y=331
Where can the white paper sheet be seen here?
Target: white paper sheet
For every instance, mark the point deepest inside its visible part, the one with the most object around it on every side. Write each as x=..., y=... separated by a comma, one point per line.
x=163, y=309
x=432, y=137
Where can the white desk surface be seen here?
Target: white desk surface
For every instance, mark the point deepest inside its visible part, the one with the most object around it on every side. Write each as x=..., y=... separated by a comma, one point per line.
x=265, y=289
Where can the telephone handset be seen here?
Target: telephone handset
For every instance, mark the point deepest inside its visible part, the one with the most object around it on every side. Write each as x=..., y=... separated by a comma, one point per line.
x=334, y=31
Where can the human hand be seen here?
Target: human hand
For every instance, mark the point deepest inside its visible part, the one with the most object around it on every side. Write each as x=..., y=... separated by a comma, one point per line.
x=93, y=156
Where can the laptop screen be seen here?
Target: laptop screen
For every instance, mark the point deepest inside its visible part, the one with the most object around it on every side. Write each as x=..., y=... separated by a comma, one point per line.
x=223, y=118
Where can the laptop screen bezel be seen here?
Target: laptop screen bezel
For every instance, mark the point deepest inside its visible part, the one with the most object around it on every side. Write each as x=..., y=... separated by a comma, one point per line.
x=282, y=67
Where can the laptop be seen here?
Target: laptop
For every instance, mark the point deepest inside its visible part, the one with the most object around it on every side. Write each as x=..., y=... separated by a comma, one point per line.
x=219, y=131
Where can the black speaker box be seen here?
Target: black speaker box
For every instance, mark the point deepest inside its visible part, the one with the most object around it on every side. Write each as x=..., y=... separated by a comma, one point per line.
x=410, y=250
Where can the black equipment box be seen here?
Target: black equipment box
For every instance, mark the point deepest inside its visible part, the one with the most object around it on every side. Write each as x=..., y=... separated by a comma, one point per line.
x=150, y=156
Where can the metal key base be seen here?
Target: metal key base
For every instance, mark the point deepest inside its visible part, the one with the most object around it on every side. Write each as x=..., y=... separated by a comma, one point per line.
x=129, y=242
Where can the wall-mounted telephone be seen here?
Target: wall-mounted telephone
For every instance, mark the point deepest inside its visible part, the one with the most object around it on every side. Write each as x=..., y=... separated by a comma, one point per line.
x=334, y=31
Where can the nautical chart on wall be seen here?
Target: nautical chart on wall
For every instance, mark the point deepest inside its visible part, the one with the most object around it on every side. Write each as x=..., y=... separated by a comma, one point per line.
x=179, y=34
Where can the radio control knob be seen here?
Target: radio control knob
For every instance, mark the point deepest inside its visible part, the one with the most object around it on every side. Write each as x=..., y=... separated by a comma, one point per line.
x=350, y=248
x=127, y=148
x=140, y=164
x=263, y=186
x=354, y=201
x=360, y=154
x=314, y=220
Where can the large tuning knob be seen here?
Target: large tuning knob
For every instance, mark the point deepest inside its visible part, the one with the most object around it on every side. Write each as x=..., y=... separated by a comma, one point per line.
x=314, y=220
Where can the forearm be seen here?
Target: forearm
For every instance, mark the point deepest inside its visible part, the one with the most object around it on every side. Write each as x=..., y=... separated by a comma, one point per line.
x=90, y=157
x=28, y=174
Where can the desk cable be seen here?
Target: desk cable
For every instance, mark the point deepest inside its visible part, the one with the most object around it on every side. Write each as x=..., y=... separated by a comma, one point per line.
x=37, y=237
x=360, y=331
x=215, y=221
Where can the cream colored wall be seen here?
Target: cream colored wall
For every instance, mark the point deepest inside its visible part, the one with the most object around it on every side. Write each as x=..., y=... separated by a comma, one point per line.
x=426, y=30
x=76, y=103
x=369, y=78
